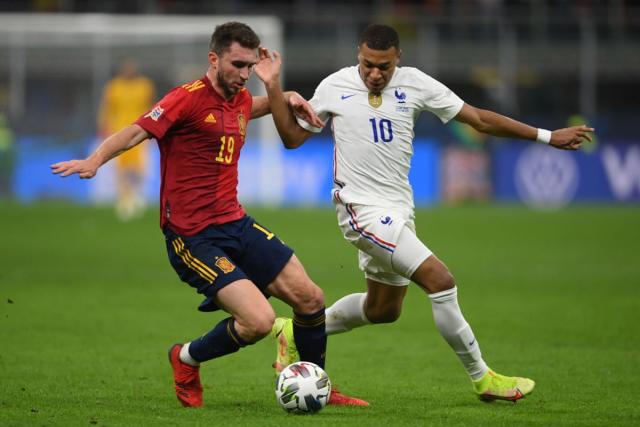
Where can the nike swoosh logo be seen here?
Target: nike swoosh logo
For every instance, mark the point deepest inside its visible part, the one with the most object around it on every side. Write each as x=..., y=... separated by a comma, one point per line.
x=343, y=97
x=472, y=341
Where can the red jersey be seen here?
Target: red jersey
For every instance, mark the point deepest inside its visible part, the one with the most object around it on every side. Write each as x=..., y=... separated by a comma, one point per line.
x=200, y=135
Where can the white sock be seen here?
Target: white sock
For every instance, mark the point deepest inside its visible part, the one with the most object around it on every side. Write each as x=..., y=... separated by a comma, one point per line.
x=346, y=313
x=457, y=332
x=185, y=357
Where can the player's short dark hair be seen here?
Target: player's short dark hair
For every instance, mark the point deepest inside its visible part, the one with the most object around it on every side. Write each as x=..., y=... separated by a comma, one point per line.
x=379, y=37
x=227, y=33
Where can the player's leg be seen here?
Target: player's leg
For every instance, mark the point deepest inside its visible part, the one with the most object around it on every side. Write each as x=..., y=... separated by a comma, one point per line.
x=305, y=332
x=123, y=207
x=276, y=270
x=382, y=303
x=271, y=264
x=130, y=173
x=374, y=231
x=207, y=268
x=139, y=171
x=293, y=286
x=435, y=279
x=251, y=320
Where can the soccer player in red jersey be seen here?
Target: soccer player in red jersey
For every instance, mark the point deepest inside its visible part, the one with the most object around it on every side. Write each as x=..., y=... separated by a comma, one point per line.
x=213, y=245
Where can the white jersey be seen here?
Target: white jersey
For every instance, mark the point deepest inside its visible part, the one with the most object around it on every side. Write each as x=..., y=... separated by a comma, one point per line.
x=374, y=134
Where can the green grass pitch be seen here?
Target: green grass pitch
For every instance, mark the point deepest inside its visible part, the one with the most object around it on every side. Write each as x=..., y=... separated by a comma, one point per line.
x=89, y=307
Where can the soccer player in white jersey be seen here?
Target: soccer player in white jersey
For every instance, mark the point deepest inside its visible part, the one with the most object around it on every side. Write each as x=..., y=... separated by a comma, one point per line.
x=373, y=108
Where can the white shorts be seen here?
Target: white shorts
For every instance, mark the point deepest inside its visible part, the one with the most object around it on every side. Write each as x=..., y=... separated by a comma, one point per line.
x=389, y=250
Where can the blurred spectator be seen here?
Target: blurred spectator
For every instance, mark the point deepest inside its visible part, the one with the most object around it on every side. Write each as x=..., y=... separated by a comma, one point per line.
x=126, y=97
x=466, y=166
x=6, y=157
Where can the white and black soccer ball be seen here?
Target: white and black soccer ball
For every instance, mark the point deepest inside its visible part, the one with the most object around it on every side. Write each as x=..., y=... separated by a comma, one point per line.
x=303, y=387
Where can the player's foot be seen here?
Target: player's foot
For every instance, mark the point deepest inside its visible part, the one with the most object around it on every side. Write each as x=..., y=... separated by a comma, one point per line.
x=339, y=399
x=186, y=379
x=282, y=331
x=499, y=387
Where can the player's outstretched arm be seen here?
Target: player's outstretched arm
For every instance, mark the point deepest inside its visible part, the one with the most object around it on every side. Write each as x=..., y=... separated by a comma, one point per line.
x=282, y=109
x=495, y=124
x=298, y=105
x=117, y=143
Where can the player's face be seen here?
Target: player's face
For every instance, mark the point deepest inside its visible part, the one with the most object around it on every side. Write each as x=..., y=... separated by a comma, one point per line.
x=377, y=66
x=233, y=67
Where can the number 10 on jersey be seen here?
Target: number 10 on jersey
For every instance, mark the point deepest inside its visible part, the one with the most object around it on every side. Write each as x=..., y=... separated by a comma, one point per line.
x=382, y=130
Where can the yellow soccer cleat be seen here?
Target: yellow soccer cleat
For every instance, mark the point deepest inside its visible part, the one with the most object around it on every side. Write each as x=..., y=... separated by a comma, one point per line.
x=494, y=386
x=282, y=331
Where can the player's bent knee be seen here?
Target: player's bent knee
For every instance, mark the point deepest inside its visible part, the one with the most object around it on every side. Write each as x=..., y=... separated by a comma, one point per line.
x=258, y=326
x=310, y=300
x=263, y=328
x=433, y=276
x=294, y=286
x=387, y=314
x=443, y=282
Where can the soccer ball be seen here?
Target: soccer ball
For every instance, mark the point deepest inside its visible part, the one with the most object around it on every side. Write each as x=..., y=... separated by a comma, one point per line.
x=303, y=388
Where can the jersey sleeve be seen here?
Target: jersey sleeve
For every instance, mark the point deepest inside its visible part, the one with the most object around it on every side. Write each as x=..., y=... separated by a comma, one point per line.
x=437, y=98
x=320, y=105
x=164, y=114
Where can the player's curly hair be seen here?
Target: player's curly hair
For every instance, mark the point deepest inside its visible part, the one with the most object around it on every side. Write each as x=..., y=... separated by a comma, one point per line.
x=379, y=37
x=229, y=32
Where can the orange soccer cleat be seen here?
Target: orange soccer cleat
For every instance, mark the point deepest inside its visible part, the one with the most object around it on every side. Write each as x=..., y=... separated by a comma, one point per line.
x=186, y=379
x=339, y=399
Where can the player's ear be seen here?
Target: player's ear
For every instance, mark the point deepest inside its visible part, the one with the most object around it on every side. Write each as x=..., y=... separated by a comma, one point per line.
x=213, y=59
x=399, y=56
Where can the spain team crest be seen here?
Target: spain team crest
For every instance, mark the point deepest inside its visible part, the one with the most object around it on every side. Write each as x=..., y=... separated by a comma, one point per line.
x=242, y=124
x=375, y=100
x=225, y=265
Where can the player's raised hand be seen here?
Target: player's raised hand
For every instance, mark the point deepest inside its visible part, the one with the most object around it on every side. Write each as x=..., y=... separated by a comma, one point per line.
x=268, y=66
x=84, y=168
x=571, y=138
x=302, y=109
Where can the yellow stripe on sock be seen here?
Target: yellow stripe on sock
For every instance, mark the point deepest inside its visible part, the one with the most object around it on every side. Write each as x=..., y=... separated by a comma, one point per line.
x=312, y=323
x=230, y=332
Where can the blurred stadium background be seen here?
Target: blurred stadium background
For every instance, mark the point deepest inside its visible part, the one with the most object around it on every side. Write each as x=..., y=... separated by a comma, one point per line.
x=548, y=63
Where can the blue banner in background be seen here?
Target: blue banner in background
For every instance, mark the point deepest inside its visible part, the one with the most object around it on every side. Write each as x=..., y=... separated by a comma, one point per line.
x=269, y=174
x=33, y=180
x=535, y=174
x=32, y=177
x=305, y=175
x=544, y=177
